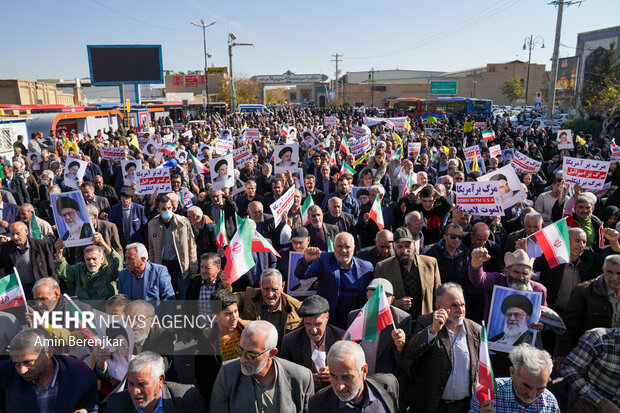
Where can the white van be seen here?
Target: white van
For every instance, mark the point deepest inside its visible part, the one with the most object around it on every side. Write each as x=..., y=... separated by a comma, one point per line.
x=250, y=108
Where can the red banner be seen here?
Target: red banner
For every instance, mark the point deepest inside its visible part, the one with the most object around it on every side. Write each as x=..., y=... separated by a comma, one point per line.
x=67, y=127
x=177, y=80
x=202, y=79
x=191, y=81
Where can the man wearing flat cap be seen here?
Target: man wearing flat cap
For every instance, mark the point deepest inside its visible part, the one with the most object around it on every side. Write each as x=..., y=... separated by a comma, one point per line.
x=308, y=346
x=69, y=210
x=517, y=310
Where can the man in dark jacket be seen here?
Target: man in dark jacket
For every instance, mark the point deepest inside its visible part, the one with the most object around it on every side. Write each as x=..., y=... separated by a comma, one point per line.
x=16, y=185
x=320, y=234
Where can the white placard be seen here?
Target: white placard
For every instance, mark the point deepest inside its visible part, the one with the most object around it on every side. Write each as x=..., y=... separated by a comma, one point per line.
x=72, y=218
x=251, y=134
x=470, y=151
x=495, y=150
x=565, y=139
x=413, y=148
x=241, y=155
x=615, y=154
x=149, y=181
x=285, y=158
x=151, y=148
x=112, y=154
x=128, y=169
x=360, y=146
x=479, y=198
x=588, y=173
x=523, y=163
x=282, y=205
x=510, y=188
x=74, y=172
x=222, y=146
x=330, y=121
x=221, y=172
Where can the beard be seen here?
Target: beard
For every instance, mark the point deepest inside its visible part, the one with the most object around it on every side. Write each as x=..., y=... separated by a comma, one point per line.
x=254, y=370
x=516, y=284
x=75, y=226
x=515, y=330
x=456, y=319
x=349, y=393
x=405, y=259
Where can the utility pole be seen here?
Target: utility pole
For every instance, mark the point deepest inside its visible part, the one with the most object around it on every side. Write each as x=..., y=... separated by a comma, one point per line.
x=371, y=77
x=337, y=60
x=231, y=44
x=529, y=43
x=204, y=43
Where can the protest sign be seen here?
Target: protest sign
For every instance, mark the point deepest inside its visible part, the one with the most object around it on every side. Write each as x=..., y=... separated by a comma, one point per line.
x=479, y=198
x=72, y=218
x=413, y=148
x=615, y=154
x=286, y=157
x=149, y=181
x=112, y=154
x=169, y=138
x=360, y=146
x=358, y=131
x=495, y=150
x=471, y=151
x=151, y=148
x=241, y=155
x=295, y=286
x=282, y=205
x=588, y=173
x=480, y=125
x=252, y=134
x=398, y=124
x=523, y=163
x=222, y=146
x=187, y=134
x=565, y=139
x=510, y=188
x=372, y=121
x=221, y=172
x=128, y=169
x=330, y=121
x=74, y=171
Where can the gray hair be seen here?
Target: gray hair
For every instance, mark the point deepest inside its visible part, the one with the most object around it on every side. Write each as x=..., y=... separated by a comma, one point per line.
x=264, y=328
x=213, y=257
x=576, y=231
x=194, y=209
x=344, y=235
x=148, y=359
x=344, y=348
x=314, y=208
x=55, y=189
x=31, y=338
x=444, y=288
x=49, y=282
x=533, y=215
x=612, y=260
x=172, y=196
x=92, y=209
x=582, y=198
x=531, y=358
x=29, y=208
x=149, y=309
x=250, y=182
x=423, y=173
x=379, y=188
x=48, y=174
x=141, y=250
x=271, y=273
x=94, y=248
x=409, y=217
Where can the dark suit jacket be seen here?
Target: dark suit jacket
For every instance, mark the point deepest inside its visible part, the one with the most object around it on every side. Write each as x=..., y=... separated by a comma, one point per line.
x=330, y=232
x=77, y=387
x=41, y=258
x=368, y=230
x=9, y=213
x=103, y=205
x=230, y=211
x=18, y=189
x=138, y=223
x=526, y=337
x=317, y=197
x=176, y=398
x=345, y=222
x=385, y=386
x=296, y=345
x=429, y=278
x=512, y=239
x=433, y=362
x=370, y=254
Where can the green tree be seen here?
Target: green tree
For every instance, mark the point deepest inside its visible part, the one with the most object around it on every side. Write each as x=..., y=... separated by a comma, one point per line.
x=246, y=91
x=275, y=95
x=513, y=88
x=600, y=95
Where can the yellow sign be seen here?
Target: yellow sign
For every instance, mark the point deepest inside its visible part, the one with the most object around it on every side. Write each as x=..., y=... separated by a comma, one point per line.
x=216, y=70
x=28, y=112
x=128, y=104
x=1, y=112
x=16, y=112
x=467, y=126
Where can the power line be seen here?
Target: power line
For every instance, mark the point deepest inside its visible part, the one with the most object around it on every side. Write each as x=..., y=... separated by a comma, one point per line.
x=464, y=24
x=138, y=20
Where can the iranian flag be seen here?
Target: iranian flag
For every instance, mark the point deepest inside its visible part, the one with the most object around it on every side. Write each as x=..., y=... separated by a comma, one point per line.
x=398, y=154
x=410, y=182
x=376, y=214
x=485, y=386
x=372, y=318
x=554, y=242
x=221, y=239
x=260, y=244
x=344, y=145
x=35, y=231
x=11, y=292
x=488, y=134
x=89, y=329
x=239, y=253
x=346, y=168
x=167, y=148
x=284, y=129
x=199, y=168
x=332, y=159
x=613, y=143
x=304, y=209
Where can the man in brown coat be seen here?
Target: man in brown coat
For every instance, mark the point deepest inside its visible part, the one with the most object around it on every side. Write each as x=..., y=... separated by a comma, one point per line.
x=414, y=277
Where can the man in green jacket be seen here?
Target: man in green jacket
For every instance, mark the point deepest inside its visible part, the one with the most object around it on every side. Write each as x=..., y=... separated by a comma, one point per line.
x=95, y=278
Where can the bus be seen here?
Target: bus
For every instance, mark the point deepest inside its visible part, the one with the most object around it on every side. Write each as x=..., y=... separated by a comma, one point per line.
x=412, y=107
x=457, y=107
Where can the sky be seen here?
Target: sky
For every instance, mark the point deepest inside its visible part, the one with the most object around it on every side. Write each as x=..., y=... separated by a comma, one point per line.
x=48, y=39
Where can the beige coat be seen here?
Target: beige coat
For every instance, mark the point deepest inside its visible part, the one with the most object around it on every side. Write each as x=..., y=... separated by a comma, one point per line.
x=184, y=243
x=429, y=278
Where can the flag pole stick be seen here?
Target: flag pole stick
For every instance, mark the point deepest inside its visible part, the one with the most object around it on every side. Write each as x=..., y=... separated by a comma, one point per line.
x=23, y=292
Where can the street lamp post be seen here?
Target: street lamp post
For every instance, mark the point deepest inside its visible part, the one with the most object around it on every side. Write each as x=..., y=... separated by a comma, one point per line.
x=204, y=42
x=530, y=43
x=231, y=44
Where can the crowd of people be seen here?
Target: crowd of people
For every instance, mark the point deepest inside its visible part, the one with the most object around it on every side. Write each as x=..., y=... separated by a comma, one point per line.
x=385, y=217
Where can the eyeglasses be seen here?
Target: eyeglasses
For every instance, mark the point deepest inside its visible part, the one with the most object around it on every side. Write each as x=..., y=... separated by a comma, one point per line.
x=454, y=236
x=250, y=355
x=516, y=316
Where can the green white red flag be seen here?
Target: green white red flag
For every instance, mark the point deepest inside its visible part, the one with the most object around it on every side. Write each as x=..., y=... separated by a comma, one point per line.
x=344, y=145
x=221, y=238
x=86, y=326
x=239, y=253
x=35, y=231
x=199, y=168
x=11, y=292
x=376, y=214
x=167, y=148
x=485, y=386
x=260, y=244
x=308, y=202
x=346, y=168
x=332, y=159
x=398, y=154
x=284, y=129
x=372, y=318
x=410, y=183
x=554, y=243
x=488, y=134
